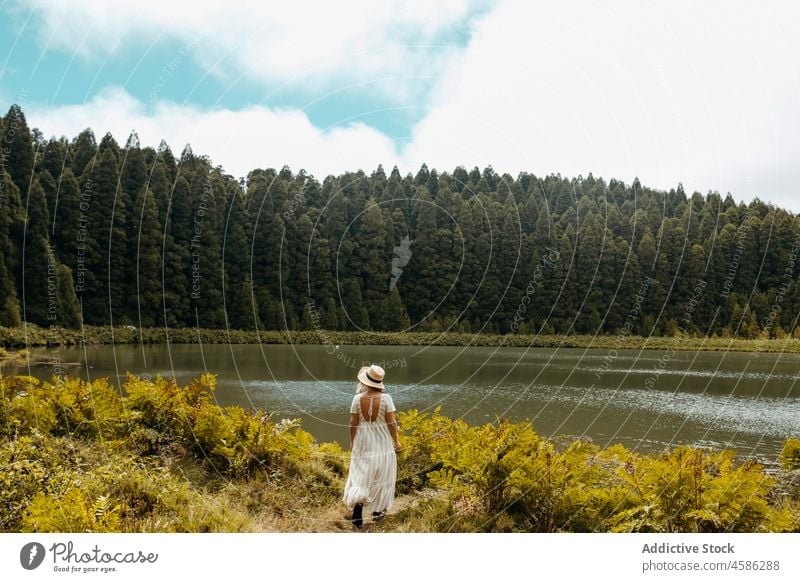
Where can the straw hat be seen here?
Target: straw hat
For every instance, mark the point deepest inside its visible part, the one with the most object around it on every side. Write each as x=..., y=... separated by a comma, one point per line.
x=371, y=376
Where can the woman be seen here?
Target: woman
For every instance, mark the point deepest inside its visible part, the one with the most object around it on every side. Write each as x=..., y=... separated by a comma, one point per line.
x=373, y=446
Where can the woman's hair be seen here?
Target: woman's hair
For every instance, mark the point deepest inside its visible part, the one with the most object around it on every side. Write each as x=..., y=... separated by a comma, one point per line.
x=360, y=388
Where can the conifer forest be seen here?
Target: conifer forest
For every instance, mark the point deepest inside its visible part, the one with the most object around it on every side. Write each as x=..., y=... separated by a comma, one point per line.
x=96, y=232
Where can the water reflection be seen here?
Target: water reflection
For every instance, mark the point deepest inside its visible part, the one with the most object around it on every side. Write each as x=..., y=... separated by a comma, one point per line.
x=644, y=400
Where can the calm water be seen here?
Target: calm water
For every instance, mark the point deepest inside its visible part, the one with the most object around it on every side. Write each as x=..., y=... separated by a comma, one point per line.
x=644, y=400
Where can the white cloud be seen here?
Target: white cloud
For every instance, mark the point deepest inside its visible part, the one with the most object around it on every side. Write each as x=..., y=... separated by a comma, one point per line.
x=700, y=93
x=240, y=141
x=703, y=94
x=308, y=42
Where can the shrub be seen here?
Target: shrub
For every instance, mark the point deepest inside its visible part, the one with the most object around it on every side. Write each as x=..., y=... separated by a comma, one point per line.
x=418, y=434
x=692, y=490
x=508, y=469
x=80, y=456
x=790, y=455
x=88, y=409
x=28, y=469
x=74, y=511
x=25, y=406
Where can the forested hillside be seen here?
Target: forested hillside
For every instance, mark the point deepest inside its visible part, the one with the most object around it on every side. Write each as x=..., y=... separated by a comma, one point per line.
x=129, y=235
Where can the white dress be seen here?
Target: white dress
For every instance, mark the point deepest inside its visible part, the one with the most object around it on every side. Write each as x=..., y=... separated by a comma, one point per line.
x=373, y=463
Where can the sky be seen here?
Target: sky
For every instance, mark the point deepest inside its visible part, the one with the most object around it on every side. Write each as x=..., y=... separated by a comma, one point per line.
x=706, y=94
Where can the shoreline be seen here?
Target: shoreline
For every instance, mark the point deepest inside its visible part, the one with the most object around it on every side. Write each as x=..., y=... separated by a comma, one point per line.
x=35, y=336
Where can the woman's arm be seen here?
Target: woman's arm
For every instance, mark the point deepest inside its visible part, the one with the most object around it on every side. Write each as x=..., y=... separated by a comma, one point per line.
x=391, y=422
x=353, y=427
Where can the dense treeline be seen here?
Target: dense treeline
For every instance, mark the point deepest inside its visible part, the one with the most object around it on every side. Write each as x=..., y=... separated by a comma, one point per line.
x=99, y=233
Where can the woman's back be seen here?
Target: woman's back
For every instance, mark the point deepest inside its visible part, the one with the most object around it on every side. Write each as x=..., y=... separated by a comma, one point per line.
x=372, y=406
x=373, y=434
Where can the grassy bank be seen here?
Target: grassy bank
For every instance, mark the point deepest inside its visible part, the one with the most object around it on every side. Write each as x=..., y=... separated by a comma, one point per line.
x=79, y=456
x=33, y=336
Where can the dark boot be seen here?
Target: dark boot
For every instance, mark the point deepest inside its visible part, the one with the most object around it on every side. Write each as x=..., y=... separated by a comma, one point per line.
x=357, y=520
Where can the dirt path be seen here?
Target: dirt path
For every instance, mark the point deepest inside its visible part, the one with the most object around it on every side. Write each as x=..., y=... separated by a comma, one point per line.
x=337, y=518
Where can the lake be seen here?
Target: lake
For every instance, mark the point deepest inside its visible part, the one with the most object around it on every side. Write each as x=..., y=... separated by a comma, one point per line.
x=646, y=400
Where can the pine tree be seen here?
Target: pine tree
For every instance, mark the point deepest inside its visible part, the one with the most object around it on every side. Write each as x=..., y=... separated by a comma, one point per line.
x=133, y=172
x=419, y=276
x=208, y=230
x=145, y=250
x=55, y=158
x=37, y=278
x=67, y=230
x=238, y=288
x=354, y=310
x=50, y=187
x=176, y=257
x=395, y=318
x=83, y=151
x=171, y=166
x=509, y=257
x=69, y=310
x=12, y=220
x=297, y=262
x=9, y=304
x=622, y=280
x=250, y=318
x=18, y=148
x=161, y=187
x=587, y=264
x=329, y=319
x=320, y=278
x=373, y=263
x=564, y=309
x=265, y=236
x=99, y=186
